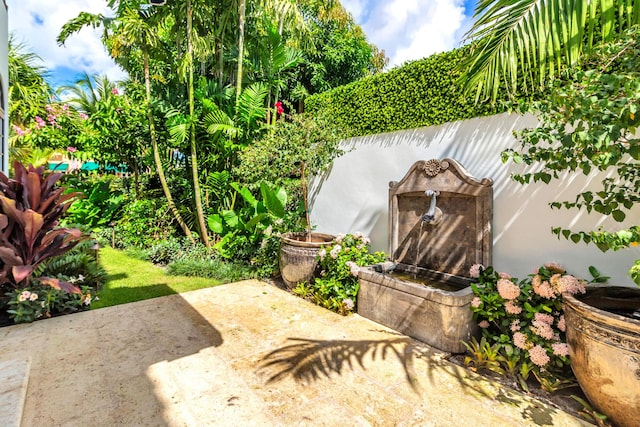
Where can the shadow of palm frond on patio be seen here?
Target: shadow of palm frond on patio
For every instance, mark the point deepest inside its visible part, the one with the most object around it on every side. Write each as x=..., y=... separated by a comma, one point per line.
x=308, y=360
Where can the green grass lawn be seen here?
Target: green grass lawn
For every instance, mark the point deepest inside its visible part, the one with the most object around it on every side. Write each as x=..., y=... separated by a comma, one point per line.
x=130, y=279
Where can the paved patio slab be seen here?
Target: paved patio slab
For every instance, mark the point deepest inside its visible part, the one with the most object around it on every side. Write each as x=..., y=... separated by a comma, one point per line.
x=228, y=356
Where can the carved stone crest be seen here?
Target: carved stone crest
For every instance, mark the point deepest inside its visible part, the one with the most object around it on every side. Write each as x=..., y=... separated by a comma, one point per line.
x=432, y=167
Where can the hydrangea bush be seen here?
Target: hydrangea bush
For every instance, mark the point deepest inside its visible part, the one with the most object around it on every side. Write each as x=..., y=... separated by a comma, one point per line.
x=523, y=324
x=337, y=287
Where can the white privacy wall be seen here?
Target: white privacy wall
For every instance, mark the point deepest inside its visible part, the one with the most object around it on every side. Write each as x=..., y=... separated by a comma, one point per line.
x=353, y=195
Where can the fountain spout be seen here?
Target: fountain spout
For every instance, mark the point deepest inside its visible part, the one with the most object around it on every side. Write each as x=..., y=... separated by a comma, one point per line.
x=430, y=215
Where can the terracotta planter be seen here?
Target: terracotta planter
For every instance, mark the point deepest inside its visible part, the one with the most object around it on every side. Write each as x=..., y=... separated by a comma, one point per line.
x=298, y=256
x=605, y=351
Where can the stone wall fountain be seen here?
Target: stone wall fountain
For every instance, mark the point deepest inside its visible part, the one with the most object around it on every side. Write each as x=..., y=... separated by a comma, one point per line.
x=439, y=226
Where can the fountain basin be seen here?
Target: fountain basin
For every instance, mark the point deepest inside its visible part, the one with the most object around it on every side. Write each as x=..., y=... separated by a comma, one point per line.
x=439, y=226
x=438, y=317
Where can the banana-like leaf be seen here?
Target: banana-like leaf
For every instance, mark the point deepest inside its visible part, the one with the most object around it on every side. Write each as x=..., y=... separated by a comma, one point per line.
x=246, y=195
x=272, y=202
x=216, y=224
x=230, y=218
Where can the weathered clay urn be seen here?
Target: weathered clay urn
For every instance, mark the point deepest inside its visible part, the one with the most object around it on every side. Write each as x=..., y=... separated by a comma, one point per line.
x=605, y=350
x=298, y=256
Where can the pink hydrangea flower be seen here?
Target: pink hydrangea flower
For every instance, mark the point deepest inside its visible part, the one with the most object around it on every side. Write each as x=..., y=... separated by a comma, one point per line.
x=475, y=302
x=353, y=268
x=571, y=284
x=542, y=288
x=512, y=308
x=554, y=267
x=348, y=304
x=520, y=340
x=543, y=330
x=474, y=271
x=515, y=326
x=335, y=251
x=507, y=289
x=483, y=324
x=560, y=349
x=543, y=318
x=504, y=276
x=561, y=324
x=539, y=356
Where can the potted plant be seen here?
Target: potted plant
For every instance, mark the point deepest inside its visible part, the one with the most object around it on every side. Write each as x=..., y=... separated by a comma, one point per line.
x=340, y=261
x=590, y=123
x=296, y=147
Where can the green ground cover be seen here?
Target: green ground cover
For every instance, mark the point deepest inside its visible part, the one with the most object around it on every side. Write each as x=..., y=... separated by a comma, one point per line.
x=130, y=279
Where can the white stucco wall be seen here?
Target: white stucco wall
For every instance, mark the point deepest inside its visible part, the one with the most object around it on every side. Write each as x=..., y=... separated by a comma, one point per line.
x=353, y=195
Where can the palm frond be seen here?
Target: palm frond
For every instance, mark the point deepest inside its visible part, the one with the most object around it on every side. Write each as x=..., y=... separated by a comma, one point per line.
x=251, y=104
x=527, y=42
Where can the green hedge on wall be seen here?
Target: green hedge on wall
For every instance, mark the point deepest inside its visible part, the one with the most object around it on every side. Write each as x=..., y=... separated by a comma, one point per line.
x=420, y=93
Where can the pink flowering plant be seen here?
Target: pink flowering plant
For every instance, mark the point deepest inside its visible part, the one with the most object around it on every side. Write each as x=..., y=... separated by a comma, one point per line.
x=41, y=302
x=337, y=287
x=59, y=127
x=523, y=322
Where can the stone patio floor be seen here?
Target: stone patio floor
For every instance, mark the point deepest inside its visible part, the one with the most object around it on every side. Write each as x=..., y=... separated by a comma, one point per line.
x=242, y=354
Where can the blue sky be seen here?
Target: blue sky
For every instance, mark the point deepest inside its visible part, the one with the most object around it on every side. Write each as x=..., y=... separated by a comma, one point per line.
x=405, y=29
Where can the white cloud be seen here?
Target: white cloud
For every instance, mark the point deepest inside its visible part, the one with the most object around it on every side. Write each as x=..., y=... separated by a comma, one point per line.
x=410, y=29
x=356, y=7
x=37, y=24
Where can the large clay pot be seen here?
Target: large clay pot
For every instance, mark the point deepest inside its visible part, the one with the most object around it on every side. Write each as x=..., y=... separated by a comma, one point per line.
x=298, y=256
x=605, y=350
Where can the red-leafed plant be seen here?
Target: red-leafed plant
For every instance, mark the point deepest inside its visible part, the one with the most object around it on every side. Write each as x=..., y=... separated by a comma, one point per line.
x=30, y=206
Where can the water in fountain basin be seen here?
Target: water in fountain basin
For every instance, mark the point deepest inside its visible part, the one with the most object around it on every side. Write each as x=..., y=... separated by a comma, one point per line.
x=447, y=286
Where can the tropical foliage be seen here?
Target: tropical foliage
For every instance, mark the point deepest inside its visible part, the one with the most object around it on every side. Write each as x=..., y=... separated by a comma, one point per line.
x=32, y=205
x=520, y=45
x=420, y=93
x=590, y=124
x=339, y=263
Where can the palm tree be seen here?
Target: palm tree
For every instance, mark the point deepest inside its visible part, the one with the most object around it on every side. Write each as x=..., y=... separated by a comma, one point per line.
x=29, y=91
x=84, y=95
x=28, y=95
x=132, y=27
x=527, y=42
